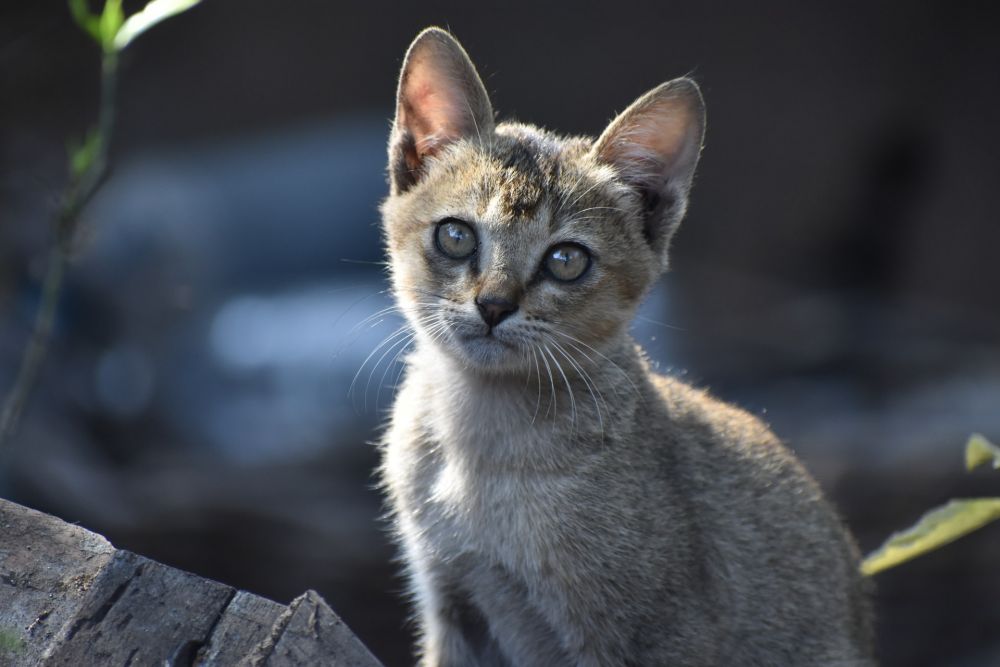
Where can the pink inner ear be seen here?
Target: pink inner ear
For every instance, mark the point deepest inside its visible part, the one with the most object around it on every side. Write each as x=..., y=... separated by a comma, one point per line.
x=431, y=107
x=658, y=136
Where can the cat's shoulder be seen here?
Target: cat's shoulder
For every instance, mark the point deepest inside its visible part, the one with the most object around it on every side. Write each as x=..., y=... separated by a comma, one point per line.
x=700, y=416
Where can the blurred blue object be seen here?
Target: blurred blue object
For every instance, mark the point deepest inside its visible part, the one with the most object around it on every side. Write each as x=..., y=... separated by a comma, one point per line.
x=251, y=312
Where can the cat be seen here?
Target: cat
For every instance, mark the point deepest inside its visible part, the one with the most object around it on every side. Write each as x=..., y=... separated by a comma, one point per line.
x=557, y=502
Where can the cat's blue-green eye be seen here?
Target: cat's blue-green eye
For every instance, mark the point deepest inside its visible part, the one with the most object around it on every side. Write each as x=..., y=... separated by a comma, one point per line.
x=567, y=261
x=455, y=239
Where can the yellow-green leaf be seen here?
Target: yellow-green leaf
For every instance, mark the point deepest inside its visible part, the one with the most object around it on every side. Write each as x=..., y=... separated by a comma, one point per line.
x=82, y=155
x=155, y=12
x=979, y=450
x=90, y=23
x=111, y=20
x=935, y=529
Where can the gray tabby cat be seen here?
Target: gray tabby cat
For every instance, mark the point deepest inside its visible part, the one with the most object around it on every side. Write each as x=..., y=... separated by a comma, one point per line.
x=556, y=501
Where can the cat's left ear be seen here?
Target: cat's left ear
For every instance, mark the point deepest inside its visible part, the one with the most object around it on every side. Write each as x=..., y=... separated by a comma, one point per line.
x=440, y=100
x=654, y=146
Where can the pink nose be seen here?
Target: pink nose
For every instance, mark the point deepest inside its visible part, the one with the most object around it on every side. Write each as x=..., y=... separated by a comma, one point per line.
x=494, y=311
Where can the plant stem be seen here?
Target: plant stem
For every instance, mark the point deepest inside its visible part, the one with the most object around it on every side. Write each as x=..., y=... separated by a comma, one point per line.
x=34, y=354
x=77, y=195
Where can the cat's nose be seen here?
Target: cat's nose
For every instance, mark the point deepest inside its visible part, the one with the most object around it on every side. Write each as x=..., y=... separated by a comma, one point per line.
x=494, y=310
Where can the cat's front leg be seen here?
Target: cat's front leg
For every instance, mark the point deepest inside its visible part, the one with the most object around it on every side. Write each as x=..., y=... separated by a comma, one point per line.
x=452, y=631
x=441, y=643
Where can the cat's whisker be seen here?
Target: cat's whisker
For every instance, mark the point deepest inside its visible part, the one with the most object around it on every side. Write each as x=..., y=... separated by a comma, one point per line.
x=600, y=354
x=437, y=332
x=659, y=324
x=571, y=190
x=355, y=303
x=358, y=325
x=538, y=376
x=587, y=381
x=400, y=340
x=586, y=218
x=576, y=348
x=430, y=326
x=401, y=345
x=402, y=367
x=382, y=312
x=434, y=294
x=601, y=208
x=569, y=387
x=552, y=385
x=385, y=341
x=583, y=194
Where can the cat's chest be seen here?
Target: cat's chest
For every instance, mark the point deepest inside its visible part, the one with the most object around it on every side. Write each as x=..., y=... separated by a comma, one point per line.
x=507, y=516
x=480, y=474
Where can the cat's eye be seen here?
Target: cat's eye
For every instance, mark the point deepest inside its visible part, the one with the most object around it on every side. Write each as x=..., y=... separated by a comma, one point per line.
x=567, y=261
x=455, y=239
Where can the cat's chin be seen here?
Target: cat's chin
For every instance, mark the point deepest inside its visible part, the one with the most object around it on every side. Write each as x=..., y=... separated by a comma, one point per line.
x=488, y=354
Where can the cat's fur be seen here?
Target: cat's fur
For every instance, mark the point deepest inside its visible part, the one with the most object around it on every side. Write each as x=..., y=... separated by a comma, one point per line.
x=557, y=502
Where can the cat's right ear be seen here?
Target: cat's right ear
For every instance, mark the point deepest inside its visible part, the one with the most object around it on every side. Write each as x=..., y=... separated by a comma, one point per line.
x=440, y=99
x=654, y=146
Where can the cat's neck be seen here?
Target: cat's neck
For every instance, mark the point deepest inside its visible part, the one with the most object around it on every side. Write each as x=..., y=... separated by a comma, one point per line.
x=539, y=418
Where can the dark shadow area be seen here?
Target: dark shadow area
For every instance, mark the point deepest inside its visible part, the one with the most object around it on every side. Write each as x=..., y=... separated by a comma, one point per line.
x=218, y=372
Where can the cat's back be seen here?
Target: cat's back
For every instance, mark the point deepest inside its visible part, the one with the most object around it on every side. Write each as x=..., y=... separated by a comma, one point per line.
x=724, y=441
x=773, y=535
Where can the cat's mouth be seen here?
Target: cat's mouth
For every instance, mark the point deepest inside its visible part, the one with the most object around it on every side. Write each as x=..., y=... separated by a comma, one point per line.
x=488, y=349
x=489, y=338
x=490, y=334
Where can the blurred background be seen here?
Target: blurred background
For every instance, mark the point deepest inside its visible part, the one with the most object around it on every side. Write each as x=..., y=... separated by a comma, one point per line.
x=836, y=273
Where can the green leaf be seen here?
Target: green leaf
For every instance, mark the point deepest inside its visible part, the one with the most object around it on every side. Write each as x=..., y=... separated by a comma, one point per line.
x=111, y=20
x=82, y=155
x=935, y=529
x=979, y=450
x=89, y=22
x=153, y=13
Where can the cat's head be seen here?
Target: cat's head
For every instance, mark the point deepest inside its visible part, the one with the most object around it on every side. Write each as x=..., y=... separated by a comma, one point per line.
x=509, y=245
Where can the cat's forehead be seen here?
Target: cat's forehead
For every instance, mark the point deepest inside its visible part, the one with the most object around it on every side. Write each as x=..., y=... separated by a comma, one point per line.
x=523, y=171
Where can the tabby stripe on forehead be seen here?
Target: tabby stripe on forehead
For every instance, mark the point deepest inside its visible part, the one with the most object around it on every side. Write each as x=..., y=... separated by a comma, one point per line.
x=523, y=183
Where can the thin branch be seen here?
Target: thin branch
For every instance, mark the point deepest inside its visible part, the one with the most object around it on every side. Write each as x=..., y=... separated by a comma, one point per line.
x=78, y=194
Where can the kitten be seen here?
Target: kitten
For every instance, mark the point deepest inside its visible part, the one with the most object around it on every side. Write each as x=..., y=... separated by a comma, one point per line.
x=556, y=501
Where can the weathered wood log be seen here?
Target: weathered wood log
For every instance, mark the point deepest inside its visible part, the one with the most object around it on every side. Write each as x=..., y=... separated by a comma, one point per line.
x=68, y=597
x=245, y=625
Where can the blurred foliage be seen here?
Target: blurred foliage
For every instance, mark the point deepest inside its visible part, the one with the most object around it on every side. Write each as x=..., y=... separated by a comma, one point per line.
x=87, y=165
x=83, y=154
x=112, y=31
x=153, y=13
x=980, y=451
x=943, y=524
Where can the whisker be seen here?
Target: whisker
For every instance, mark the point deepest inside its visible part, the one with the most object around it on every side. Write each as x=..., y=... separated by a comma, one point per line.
x=401, y=345
x=538, y=375
x=661, y=324
x=583, y=194
x=430, y=327
x=552, y=385
x=601, y=208
x=600, y=354
x=569, y=388
x=434, y=294
x=587, y=381
x=398, y=332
